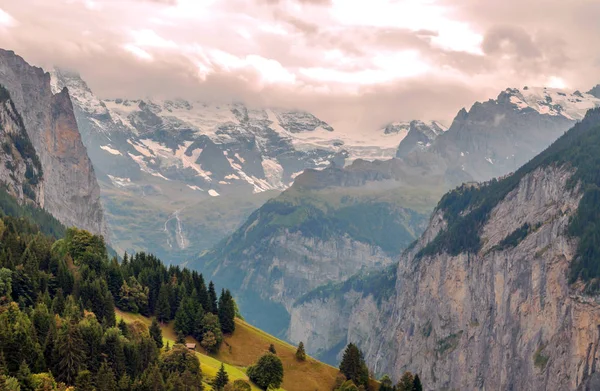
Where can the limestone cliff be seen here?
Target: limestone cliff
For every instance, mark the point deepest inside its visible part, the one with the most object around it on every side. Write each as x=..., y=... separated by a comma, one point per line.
x=71, y=192
x=498, y=312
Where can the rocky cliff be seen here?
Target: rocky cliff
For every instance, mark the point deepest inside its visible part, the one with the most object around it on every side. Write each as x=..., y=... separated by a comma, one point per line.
x=509, y=304
x=21, y=171
x=71, y=192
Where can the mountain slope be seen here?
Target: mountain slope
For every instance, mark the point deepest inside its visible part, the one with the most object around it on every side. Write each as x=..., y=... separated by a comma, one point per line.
x=71, y=192
x=288, y=247
x=505, y=276
x=244, y=348
x=323, y=229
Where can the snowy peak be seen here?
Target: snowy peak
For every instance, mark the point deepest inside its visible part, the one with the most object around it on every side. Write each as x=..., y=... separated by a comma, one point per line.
x=81, y=94
x=420, y=136
x=550, y=101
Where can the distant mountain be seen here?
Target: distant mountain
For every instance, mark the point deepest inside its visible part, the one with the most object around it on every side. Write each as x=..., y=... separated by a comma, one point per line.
x=177, y=176
x=505, y=276
x=420, y=136
x=53, y=168
x=278, y=254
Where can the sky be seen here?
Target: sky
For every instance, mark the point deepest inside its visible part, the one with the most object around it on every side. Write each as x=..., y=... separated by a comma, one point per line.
x=356, y=64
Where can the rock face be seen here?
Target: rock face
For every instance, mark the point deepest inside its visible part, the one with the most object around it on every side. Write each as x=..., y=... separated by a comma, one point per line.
x=502, y=317
x=71, y=192
x=419, y=137
x=21, y=171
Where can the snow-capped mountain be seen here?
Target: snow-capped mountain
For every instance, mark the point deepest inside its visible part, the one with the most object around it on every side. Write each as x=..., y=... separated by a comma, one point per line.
x=420, y=135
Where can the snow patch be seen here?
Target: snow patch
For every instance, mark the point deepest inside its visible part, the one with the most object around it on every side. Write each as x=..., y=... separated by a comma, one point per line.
x=110, y=150
x=213, y=193
x=119, y=182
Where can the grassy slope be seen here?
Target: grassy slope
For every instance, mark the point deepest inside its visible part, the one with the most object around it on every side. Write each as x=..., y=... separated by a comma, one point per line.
x=244, y=347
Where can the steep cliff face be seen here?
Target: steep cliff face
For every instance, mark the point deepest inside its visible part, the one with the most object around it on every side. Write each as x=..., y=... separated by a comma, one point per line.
x=21, y=171
x=501, y=311
x=71, y=191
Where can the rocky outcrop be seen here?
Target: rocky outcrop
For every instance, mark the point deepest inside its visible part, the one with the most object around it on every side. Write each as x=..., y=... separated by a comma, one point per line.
x=71, y=191
x=21, y=171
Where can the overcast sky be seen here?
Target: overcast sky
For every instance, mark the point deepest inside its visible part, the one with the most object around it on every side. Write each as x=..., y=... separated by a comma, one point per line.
x=355, y=63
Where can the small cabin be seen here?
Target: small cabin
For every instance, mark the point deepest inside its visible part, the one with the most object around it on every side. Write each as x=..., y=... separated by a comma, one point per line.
x=191, y=346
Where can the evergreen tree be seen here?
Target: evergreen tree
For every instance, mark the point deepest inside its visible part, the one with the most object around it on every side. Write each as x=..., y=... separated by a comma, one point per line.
x=221, y=379
x=417, y=386
x=300, y=353
x=353, y=366
x=124, y=383
x=212, y=299
x=272, y=349
x=109, y=319
x=185, y=316
x=123, y=327
x=156, y=333
x=406, y=382
x=227, y=312
x=163, y=308
x=83, y=382
x=113, y=349
x=58, y=303
x=153, y=379
x=267, y=373
x=70, y=353
x=24, y=377
x=105, y=379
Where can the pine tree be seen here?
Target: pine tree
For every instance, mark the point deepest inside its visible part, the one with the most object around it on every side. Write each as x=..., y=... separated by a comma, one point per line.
x=212, y=299
x=105, y=379
x=163, y=308
x=417, y=386
x=83, y=382
x=406, y=382
x=300, y=353
x=153, y=380
x=227, y=312
x=124, y=383
x=272, y=349
x=156, y=333
x=24, y=377
x=221, y=379
x=353, y=366
x=70, y=351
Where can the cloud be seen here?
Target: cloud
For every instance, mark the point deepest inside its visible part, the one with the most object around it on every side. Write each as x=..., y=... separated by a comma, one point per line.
x=356, y=64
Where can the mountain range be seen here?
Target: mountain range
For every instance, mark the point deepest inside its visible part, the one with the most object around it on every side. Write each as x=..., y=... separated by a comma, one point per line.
x=493, y=286
x=178, y=176
x=334, y=222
